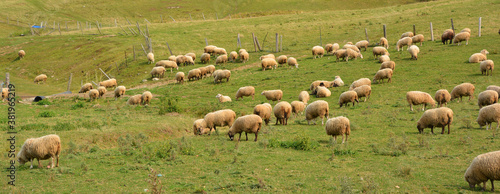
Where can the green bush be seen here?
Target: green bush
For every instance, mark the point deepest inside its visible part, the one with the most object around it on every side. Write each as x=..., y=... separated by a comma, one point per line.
x=47, y=114
x=79, y=104
x=169, y=105
x=44, y=102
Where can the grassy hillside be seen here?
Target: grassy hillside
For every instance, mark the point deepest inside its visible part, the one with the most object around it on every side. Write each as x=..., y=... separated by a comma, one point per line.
x=111, y=147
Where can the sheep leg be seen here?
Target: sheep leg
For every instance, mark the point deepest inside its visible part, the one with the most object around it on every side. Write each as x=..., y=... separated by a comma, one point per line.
x=448, y=127
x=239, y=137
x=442, y=131
x=492, y=186
x=343, y=139
x=31, y=160
x=39, y=164
x=246, y=134
x=484, y=185
x=432, y=130
x=423, y=107
x=411, y=107
x=256, y=135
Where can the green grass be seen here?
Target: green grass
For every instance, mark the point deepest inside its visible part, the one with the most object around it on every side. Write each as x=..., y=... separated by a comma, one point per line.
x=111, y=147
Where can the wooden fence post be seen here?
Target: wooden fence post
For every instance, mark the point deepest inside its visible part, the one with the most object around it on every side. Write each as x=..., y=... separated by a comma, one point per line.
x=169, y=49
x=452, y=27
x=320, y=41
x=432, y=33
x=206, y=42
x=172, y=18
x=59, y=26
x=414, y=32
x=254, y=43
x=203, y=15
x=7, y=79
x=98, y=28
x=69, y=81
x=116, y=23
x=479, y=29
x=258, y=44
x=277, y=42
x=385, y=32
x=238, y=41
x=366, y=34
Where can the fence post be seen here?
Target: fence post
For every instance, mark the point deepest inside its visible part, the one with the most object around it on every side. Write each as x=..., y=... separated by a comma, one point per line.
x=7, y=79
x=277, y=42
x=414, y=32
x=366, y=34
x=238, y=44
x=161, y=19
x=320, y=41
x=169, y=49
x=69, y=81
x=116, y=24
x=479, y=29
x=206, y=42
x=172, y=18
x=432, y=33
x=203, y=16
x=190, y=18
x=452, y=27
x=385, y=32
x=254, y=43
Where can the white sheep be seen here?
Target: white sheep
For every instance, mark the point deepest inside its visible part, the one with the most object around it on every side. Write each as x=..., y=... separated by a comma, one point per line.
x=21, y=54
x=221, y=59
x=146, y=97
x=210, y=49
x=200, y=127
x=329, y=48
x=362, y=44
x=418, y=97
x=414, y=50
x=272, y=95
x=248, y=124
x=360, y=82
x=378, y=50
x=220, y=118
x=318, y=108
x=382, y=74
x=167, y=64
x=304, y=96
x=352, y=54
x=487, y=97
x=108, y=83
x=179, y=76
x=363, y=91
x=351, y=46
x=318, y=51
x=244, y=56
x=437, y=117
x=264, y=111
x=340, y=53
x=315, y=84
x=268, y=56
x=338, y=126
x=158, y=71
x=486, y=67
x=245, y=91
x=222, y=98
x=211, y=69
x=384, y=58
x=222, y=74
x=102, y=90
x=5, y=93
x=268, y=63
x=93, y=94
x=442, y=97
x=407, y=41
x=135, y=99
x=406, y=34
x=388, y=64
x=41, y=148
x=483, y=168
x=282, y=59
x=417, y=38
x=203, y=71
x=292, y=62
x=489, y=114
x=233, y=56
x=348, y=96
x=205, y=58
x=40, y=78
x=465, y=89
x=119, y=91
x=322, y=92
x=172, y=58
x=337, y=82
x=298, y=107
x=282, y=112
x=462, y=36
x=192, y=55
x=194, y=74
x=85, y=88
x=478, y=57
x=220, y=51
x=384, y=42
x=466, y=30
x=151, y=58
x=242, y=51
x=494, y=88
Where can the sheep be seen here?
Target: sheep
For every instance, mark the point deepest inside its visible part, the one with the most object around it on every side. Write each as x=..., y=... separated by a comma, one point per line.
x=304, y=96
x=221, y=59
x=119, y=91
x=248, y=124
x=233, y=56
x=337, y=82
x=264, y=111
x=442, y=97
x=322, y=92
x=200, y=127
x=298, y=107
x=483, y=167
x=338, y=126
x=158, y=72
x=220, y=118
x=93, y=94
x=242, y=51
x=146, y=97
x=40, y=78
x=406, y=34
x=172, y=58
x=447, y=35
x=384, y=58
x=189, y=60
x=388, y=64
x=348, y=96
x=203, y=71
x=102, y=90
x=85, y=88
x=315, y=84
x=108, y=83
x=487, y=97
x=244, y=56
x=282, y=112
x=362, y=44
x=210, y=49
x=167, y=64
x=487, y=115
x=220, y=51
x=351, y=46
x=352, y=54
x=465, y=89
x=211, y=69
x=192, y=55
x=360, y=82
x=329, y=48
x=318, y=51
x=340, y=53
x=268, y=63
x=222, y=98
x=282, y=59
x=363, y=91
x=478, y=57
x=181, y=59
x=462, y=36
x=205, y=58
x=378, y=50
x=5, y=93
x=293, y=62
x=436, y=117
x=245, y=91
x=318, y=108
x=384, y=42
x=272, y=95
x=335, y=46
x=417, y=38
x=222, y=74
x=179, y=76
x=21, y=54
x=466, y=30
x=407, y=41
x=135, y=99
x=41, y=148
x=194, y=74
x=413, y=50
x=271, y=56
x=382, y=74
x=348, y=43
x=151, y=58
x=418, y=97
x=494, y=88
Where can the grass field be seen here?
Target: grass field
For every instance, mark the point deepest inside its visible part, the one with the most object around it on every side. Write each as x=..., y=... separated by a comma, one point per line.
x=111, y=147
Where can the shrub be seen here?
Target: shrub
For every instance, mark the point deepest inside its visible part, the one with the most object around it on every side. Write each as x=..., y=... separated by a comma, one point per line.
x=44, y=102
x=47, y=114
x=168, y=105
x=79, y=104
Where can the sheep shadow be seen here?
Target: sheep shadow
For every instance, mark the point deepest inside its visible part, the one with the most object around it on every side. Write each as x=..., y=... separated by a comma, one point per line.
x=16, y=59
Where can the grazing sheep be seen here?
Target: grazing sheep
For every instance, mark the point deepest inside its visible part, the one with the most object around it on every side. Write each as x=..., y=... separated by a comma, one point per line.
x=378, y=50
x=382, y=74
x=200, y=127
x=108, y=83
x=102, y=90
x=158, y=72
x=488, y=115
x=384, y=58
x=151, y=58
x=194, y=74
x=436, y=117
x=181, y=59
x=203, y=71
x=192, y=55
x=282, y=112
x=241, y=51
x=466, y=30
x=222, y=74
x=189, y=60
x=465, y=89
x=362, y=44
x=360, y=82
x=282, y=59
x=41, y=148
x=318, y=51
x=270, y=56
x=340, y=53
x=220, y=118
x=346, y=97
x=338, y=126
x=348, y=43
x=264, y=111
x=167, y=64
x=5, y=93
x=85, y=88
x=248, y=124
x=447, y=35
x=478, y=57
x=135, y=99
x=384, y=42
x=417, y=38
x=483, y=168
x=268, y=63
x=317, y=83
x=407, y=41
x=442, y=97
x=220, y=51
x=337, y=82
x=363, y=91
x=298, y=107
x=205, y=58
x=245, y=91
x=119, y=91
x=93, y=94
x=462, y=36
x=211, y=69
x=322, y=92
x=495, y=88
x=210, y=49
x=352, y=54
x=418, y=97
x=221, y=59
x=304, y=96
x=172, y=58
x=406, y=34
x=244, y=56
x=21, y=54
x=329, y=48
x=40, y=78
x=486, y=98
x=318, y=108
x=293, y=62
x=351, y=46
x=413, y=50
x=335, y=46
x=222, y=98
x=146, y=97
x=272, y=95
x=179, y=76
x=388, y=64
x=233, y=56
